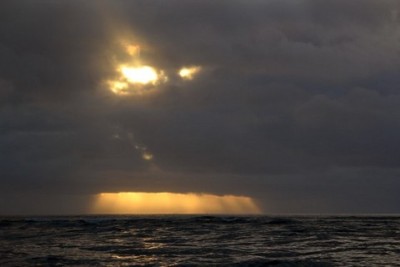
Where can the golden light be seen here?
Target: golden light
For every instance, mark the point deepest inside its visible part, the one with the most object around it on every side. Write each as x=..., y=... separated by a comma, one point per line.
x=172, y=203
x=133, y=50
x=119, y=88
x=136, y=80
x=189, y=72
x=141, y=74
x=135, y=77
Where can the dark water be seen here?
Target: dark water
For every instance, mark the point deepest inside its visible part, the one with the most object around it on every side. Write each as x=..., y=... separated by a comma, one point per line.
x=200, y=241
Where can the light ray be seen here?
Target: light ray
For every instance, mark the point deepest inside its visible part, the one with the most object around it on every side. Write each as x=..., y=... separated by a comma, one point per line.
x=172, y=203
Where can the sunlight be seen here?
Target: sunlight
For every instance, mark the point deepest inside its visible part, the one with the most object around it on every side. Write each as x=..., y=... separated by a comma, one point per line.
x=172, y=203
x=133, y=50
x=136, y=77
x=136, y=80
x=141, y=74
x=119, y=88
x=188, y=73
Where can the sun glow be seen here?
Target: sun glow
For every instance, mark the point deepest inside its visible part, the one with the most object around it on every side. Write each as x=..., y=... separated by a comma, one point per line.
x=136, y=80
x=140, y=74
x=188, y=73
x=135, y=76
x=118, y=87
x=172, y=203
x=133, y=50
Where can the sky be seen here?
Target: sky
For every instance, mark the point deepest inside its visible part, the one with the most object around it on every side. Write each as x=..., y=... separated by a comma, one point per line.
x=294, y=103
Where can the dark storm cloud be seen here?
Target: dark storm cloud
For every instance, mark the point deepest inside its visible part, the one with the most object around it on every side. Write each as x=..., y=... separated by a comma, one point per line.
x=297, y=103
x=51, y=49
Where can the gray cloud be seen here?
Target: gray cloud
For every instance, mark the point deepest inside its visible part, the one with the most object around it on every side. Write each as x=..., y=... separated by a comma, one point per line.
x=297, y=103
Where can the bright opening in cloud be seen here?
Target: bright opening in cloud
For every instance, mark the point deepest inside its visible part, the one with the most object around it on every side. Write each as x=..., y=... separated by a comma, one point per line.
x=141, y=74
x=172, y=203
x=137, y=78
x=188, y=73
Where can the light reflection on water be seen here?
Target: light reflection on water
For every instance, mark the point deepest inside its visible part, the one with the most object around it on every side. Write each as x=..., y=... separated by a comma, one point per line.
x=200, y=240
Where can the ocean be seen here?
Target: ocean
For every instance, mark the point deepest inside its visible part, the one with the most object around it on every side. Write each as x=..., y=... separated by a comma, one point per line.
x=200, y=241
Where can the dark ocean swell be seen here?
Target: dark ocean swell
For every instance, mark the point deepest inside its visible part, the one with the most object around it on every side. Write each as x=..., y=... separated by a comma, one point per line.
x=199, y=241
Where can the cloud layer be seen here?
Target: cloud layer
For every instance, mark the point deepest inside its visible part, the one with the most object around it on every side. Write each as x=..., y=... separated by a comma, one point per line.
x=297, y=103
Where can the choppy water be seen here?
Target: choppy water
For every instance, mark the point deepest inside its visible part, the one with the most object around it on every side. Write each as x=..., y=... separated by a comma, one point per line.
x=200, y=240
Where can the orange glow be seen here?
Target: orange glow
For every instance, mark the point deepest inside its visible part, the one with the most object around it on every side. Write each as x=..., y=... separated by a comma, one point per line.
x=172, y=203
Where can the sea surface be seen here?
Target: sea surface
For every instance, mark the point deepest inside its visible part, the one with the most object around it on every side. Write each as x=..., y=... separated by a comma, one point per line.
x=199, y=241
